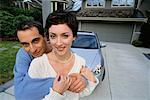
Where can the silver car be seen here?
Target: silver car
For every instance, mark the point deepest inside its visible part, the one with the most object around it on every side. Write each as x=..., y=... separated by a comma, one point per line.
x=87, y=45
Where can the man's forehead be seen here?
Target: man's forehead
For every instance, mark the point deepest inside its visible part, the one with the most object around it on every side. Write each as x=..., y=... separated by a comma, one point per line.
x=29, y=37
x=29, y=40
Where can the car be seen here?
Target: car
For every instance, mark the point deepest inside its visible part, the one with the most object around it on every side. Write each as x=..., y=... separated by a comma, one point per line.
x=87, y=45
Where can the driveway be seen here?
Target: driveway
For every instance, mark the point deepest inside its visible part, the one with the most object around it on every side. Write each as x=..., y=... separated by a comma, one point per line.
x=127, y=75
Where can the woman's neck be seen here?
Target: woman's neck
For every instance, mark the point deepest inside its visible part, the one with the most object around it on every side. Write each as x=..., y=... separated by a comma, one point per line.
x=63, y=58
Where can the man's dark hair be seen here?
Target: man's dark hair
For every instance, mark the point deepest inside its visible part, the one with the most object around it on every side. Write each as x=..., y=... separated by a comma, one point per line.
x=30, y=24
x=62, y=17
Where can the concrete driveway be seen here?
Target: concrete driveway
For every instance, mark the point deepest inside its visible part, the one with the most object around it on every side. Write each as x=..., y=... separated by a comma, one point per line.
x=127, y=75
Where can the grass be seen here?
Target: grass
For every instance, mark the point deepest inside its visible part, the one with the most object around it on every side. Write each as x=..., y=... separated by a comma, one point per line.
x=8, y=50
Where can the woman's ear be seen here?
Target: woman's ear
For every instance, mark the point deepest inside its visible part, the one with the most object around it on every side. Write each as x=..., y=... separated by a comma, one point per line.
x=74, y=38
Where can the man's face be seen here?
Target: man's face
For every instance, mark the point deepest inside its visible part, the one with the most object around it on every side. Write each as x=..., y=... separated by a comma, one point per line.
x=32, y=41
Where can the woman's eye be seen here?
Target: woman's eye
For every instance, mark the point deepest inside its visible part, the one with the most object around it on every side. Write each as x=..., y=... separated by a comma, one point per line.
x=52, y=36
x=65, y=36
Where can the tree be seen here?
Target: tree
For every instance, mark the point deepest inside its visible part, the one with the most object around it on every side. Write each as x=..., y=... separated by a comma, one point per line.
x=145, y=35
x=6, y=3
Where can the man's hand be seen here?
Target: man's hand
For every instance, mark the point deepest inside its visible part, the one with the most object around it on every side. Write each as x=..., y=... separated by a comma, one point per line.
x=78, y=83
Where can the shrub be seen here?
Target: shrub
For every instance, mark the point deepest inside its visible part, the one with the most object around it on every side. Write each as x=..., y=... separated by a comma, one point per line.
x=6, y=20
x=8, y=23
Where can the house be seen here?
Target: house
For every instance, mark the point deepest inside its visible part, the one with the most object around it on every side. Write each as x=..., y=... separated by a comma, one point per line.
x=113, y=20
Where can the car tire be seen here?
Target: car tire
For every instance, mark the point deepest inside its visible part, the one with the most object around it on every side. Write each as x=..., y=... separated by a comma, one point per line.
x=103, y=75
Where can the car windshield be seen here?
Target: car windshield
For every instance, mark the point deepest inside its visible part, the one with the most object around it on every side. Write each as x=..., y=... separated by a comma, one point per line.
x=85, y=41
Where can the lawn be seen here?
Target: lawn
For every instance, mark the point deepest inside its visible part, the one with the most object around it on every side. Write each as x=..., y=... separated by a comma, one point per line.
x=8, y=50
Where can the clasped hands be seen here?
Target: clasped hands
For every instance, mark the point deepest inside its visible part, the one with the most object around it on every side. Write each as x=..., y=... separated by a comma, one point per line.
x=75, y=82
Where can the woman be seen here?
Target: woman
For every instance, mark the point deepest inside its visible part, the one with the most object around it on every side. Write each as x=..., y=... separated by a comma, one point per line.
x=61, y=30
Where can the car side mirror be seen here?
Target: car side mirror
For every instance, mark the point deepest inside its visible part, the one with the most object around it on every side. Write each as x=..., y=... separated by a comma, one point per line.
x=102, y=45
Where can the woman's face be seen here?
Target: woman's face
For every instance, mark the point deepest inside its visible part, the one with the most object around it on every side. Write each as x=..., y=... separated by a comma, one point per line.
x=61, y=38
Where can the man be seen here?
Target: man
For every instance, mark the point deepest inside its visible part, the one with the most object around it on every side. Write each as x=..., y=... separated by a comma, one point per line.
x=31, y=36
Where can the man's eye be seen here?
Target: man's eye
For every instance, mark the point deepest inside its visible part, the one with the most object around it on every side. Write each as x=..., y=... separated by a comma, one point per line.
x=36, y=41
x=25, y=45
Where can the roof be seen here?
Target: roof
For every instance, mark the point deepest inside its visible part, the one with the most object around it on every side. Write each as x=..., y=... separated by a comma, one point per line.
x=97, y=12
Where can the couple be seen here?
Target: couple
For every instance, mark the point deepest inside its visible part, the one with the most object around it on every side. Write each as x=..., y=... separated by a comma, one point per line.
x=56, y=73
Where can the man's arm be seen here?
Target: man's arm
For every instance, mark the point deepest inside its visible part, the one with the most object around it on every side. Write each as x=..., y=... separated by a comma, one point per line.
x=23, y=60
x=26, y=88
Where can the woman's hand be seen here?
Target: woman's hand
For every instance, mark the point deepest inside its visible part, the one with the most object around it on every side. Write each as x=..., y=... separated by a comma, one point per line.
x=61, y=83
x=78, y=83
x=87, y=73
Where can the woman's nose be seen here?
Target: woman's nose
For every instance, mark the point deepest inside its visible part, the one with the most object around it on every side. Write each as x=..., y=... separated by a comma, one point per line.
x=59, y=41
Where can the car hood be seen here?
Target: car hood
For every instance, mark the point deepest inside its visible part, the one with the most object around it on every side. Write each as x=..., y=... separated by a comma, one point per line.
x=91, y=56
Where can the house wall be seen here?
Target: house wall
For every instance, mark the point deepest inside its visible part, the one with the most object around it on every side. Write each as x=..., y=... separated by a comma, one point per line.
x=109, y=31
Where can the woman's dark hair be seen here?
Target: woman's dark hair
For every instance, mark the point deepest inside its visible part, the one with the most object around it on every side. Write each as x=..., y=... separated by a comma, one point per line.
x=62, y=17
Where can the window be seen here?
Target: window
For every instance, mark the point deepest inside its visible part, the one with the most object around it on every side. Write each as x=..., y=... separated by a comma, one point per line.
x=55, y=5
x=60, y=6
x=122, y=3
x=95, y=3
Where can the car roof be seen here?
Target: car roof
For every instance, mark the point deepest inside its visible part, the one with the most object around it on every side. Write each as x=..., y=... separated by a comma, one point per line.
x=86, y=33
